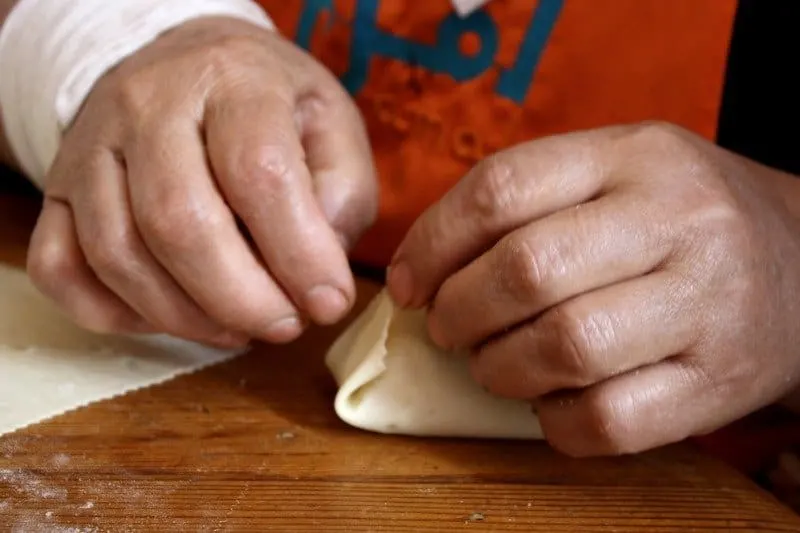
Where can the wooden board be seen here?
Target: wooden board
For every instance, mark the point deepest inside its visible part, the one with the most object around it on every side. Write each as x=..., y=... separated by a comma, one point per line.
x=254, y=445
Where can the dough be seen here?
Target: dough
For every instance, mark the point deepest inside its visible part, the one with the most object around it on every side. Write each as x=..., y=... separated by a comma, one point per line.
x=49, y=366
x=393, y=379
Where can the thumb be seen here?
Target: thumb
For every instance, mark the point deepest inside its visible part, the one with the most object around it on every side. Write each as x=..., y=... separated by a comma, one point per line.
x=339, y=158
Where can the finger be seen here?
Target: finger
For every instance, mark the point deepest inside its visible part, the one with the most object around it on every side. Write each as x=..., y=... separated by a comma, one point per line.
x=654, y=406
x=547, y=262
x=115, y=251
x=591, y=338
x=59, y=270
x=339, y=157
x=499, y=195
x=188, y=227
x=256, y=153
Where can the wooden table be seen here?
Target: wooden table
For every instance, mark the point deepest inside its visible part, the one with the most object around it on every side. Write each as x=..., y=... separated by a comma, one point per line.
x=254, y=444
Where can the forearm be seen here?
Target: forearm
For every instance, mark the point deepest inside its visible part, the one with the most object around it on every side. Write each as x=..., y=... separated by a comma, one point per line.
x=6, y=155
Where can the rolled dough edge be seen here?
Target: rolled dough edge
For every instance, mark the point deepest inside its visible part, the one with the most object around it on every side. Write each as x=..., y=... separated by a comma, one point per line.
x=145, y=384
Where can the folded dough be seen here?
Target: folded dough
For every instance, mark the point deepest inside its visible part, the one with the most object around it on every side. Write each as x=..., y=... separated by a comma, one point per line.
x=393, y=379
x=49, y=366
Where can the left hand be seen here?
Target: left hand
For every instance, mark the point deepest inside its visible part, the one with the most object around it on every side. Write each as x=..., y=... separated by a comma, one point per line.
x=638, y=284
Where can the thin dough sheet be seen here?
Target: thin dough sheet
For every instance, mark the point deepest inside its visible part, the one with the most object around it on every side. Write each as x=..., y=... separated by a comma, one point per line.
x=49, y=366
x=393, y=379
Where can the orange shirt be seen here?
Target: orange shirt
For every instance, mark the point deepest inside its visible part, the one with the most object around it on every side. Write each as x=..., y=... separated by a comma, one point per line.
x=440, y=92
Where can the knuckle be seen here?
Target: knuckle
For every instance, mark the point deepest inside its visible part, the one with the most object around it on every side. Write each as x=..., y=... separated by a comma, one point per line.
x=316, y=109
x=227, y=49
x=658, y=133
x=493, y=192
x=266, y=169
x=573, y=347
x=164, y=227
x=107, y=260
x=133, y=92
x=110, y=252
x=718, y=229
x=722, y=217
x=48, y=263
x=226, y=59
x=51, y=268
x=178, y=223
x=522, y=270
x=608, y=425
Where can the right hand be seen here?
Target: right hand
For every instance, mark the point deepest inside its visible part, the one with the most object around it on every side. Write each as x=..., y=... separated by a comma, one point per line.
x=217, y=124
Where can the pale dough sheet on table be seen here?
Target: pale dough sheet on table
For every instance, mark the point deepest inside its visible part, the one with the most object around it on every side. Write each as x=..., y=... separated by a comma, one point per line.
x=392, y=378
x=49, y=366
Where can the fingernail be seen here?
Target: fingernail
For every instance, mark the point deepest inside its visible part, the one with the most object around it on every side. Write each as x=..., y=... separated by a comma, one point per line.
x=400, y=284
x=284, y=330
x=326, y=304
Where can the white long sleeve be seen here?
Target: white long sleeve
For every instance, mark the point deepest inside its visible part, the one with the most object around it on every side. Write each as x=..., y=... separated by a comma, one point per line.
x=52, y=52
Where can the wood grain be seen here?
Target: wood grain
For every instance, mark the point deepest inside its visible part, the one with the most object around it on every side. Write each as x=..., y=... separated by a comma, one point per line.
x=254, y=445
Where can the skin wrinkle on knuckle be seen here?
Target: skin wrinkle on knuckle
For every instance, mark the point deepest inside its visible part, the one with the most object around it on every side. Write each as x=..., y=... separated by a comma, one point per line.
x=529, y=268
x=608, y=424
x=265, y=172
x=655, y=133
x=528, y=379
x=520, y=270
x=109, y=260
x=50, y=269
x=226, y=51
x=573, y=339
x=134, y=93
x=319, y=109
x=177, y=225
x=693, y=374
x=493, y=192
x=140, y=97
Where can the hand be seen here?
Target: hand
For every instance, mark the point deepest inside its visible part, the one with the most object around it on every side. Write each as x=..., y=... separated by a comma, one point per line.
x=209, y=189
x=638, y=284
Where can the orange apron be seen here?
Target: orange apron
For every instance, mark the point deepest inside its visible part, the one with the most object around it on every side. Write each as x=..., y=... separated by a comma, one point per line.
x=440, y=92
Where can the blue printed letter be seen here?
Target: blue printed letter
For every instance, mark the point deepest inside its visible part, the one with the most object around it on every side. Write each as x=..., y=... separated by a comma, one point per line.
x=309, y=18
x=514, y=83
